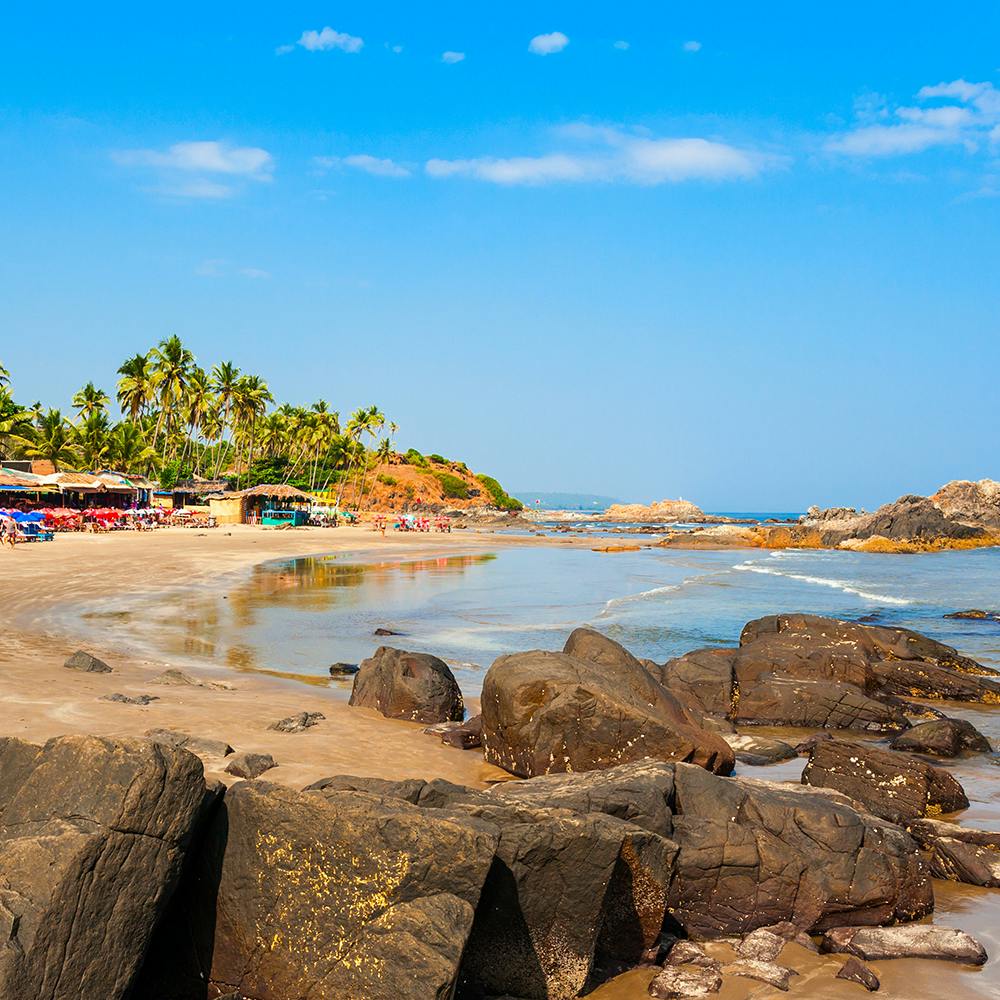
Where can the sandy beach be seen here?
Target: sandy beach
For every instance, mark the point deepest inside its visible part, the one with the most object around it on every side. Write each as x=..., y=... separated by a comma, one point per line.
x=41, y=699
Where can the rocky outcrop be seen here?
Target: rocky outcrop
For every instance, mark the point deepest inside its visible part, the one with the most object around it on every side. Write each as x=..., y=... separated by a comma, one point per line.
x=93, y=834
x=960, y=854
x=942, y=738
x=874, y=944
x=972, y=502
x=205, y=748
x=752, y=853
x=592, y=706
x=250, y=765
x=659, y=511
x=297, y=723
x=413, y=686
x=809, y=671
x=896, y=786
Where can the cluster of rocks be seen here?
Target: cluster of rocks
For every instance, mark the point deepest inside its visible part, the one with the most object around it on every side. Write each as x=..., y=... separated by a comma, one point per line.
x=361, y=887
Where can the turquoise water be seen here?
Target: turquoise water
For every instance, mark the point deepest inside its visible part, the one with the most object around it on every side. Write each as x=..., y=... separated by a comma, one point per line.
x=301, y=615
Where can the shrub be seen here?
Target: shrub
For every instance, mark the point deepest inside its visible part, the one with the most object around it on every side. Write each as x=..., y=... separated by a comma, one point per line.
x=452, y=487
x=500, y=497
x=388, y=480
x=413, y=457
x=438, y=459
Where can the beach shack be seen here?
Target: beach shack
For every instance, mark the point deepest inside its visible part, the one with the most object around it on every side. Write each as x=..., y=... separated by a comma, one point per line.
x=20, y=488
x=276, y=505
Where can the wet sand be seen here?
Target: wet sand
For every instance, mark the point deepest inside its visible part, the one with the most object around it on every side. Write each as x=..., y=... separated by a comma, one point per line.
x=40, y=699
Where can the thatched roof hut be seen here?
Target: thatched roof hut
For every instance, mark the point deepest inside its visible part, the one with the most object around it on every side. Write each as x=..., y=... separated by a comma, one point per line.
x=276, y=491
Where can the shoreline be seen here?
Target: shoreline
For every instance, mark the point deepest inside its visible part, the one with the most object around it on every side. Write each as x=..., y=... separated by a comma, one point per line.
x=42, y=699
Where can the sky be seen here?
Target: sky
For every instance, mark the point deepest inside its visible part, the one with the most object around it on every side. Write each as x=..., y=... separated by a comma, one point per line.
x=743, y=254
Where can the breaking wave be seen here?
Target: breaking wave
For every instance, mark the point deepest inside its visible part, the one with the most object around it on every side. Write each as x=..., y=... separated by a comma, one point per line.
x=822, y=581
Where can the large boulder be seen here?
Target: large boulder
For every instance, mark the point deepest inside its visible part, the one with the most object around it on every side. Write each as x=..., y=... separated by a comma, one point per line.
x=333, y=895
x=875, y=944
x=555, y=712
x=567, y=888
x=959, y=853
x=896, y=786
x=413, y=686
x=752, y=853
x=93, y=834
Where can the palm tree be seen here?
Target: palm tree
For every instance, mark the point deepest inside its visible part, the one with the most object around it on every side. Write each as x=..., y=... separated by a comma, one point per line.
x=225, y=379
x=128, y=450
x=90, y=400
x=15, y=423
x=171, y=364
x=50, y=440
x=197, y=401
x=374, y=421
x=135, y=387
x=93, y=440
x=4, y=376
x=249, y=405
x=354, y=429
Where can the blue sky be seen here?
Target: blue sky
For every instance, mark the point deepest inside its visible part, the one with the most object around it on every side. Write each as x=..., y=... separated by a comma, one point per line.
x=743, y=254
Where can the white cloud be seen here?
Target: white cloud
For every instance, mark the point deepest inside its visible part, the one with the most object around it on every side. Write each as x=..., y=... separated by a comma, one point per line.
x=203, y=157
x=396, y=49
x=452, y=57
x=622, y=45
x=254, y=272
x=967, y=119
x=545, y=45
x=211, y=190
x=362, y=161
x=327, y=39
x=692, y=46
x=219, y=267
x=283, y=50
x=614, y=156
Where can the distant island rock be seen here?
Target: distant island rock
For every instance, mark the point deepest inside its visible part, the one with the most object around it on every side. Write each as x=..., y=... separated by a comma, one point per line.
x=660, y=510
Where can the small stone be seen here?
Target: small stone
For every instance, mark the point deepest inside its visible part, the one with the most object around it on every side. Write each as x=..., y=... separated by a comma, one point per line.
x=175, y=678
x=761, y=946
x=89, y=664
x=343, y=669
x=689, y=953
x=250, y=765
x=905, y=941
x=857, y=972
x=764, y=972
x=385, y=631
x=685, y=983
x=297, y=723
x=129, y=699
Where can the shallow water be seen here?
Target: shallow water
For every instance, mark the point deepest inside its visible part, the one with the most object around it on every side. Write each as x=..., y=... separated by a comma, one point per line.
x=298, y=616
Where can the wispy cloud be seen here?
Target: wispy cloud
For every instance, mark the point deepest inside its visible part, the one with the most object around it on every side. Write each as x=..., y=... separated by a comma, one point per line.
x=219, y=267
x=545, y=45
x=613, y=155
x=969, y=119
x=451, y=57
x=622, y=45
x=191, y=169
x=374, y=165
x=691, y=46
x=325, y=40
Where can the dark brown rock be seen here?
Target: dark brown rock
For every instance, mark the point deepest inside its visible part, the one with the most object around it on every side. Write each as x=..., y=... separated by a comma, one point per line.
x=975, y=614
x=942, y=738
x=250, y=765
x=297, y=723
x=553, y=712
x=356, y=895
x=381, y=631
x=84, y=661
x=961, y=861
x=690, y=953
x=93, y=834
x=465, y=736
x=761, y=945
x=195, y=744
x=702, y=681
x=855, y=971
x=926, y=831
x=759, y=751
x=343, y=669
x=874, y=944
x=896, y=786
x=413, y=686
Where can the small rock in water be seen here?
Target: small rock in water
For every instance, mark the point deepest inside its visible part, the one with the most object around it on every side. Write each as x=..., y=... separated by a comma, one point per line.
x=297, y=723
x=857, y=972
x=975, y=614
x=467, y=735
x=250, y=765
x=764, y=972
x=196, y=744
x=906, y=941
x=689, y=982
x=942, y=738
x=761, y=946
x=343, y=669
x=130, y=699
x=385, y=631
x=175, y=678
x=89, y=664
x=759, y=751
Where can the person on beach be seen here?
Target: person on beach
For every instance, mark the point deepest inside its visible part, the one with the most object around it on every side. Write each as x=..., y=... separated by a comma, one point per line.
x=8, y=532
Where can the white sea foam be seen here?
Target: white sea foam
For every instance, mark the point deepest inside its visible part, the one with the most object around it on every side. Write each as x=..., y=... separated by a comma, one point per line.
x=822, y=581
x=643, y=595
